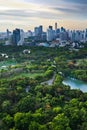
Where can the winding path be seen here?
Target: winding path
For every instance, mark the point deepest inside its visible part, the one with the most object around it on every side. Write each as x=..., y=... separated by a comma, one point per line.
x=49, y=82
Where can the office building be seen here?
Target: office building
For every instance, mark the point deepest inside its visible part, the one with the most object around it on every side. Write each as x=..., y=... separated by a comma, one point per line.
x=18, y=37
x=55, y=26
x=50, y=34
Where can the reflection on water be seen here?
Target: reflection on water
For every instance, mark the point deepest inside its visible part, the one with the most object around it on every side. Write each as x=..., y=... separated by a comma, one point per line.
x=75, y=84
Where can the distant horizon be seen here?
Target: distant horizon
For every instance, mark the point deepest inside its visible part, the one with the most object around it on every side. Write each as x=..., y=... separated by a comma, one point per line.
x=27, y=14
x=44, y=29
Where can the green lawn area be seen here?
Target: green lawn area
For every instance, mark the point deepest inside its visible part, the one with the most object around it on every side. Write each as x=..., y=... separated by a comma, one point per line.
x=81, y=61
x=7, y=63
x=30, y=75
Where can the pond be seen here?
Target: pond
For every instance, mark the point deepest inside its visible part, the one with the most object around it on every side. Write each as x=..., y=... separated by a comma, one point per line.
x=75, y=84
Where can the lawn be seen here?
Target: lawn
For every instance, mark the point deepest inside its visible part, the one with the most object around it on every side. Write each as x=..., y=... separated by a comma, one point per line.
x=30, y=75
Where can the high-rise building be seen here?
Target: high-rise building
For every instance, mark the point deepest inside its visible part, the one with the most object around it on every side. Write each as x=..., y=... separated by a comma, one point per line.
x=38, y=32
x=64, y=36
x=40, y=29
x=86, y=35
x=18, y=37
x=55, y=26
x=29, y=33
x=62, y=29
x=82, y=36
x=51, y=27
x=44, y=36
x=50, y=34
x=21, y=41
x=8, y=32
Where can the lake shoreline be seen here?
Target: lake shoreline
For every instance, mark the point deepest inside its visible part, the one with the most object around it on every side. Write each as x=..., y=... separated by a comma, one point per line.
x=75, y=84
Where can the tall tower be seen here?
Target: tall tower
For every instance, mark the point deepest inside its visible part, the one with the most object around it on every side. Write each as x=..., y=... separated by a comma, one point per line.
x=86, y=35
x=8, y=32
x=55, y=26
x=50, y=34
x=50, y=27
x=16, y=36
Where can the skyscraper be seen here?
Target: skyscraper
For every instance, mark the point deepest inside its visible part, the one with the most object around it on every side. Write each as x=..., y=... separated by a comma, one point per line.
x=18, y=37
x=51, y=27
x=21, y=41
x=50, y=34
x=38, y=32
x=40, y=29
x=86, y=35
x=8, y=32
x=55, y=26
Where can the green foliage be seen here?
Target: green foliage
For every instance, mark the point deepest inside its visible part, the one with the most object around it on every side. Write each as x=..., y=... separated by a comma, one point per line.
x=58, y=79
x=7, y=122
x=22, y=120
x=48, y=73
x=80, y=74
x=26, y=104
x=60, y=122
x=6, y=105
x=43, y=107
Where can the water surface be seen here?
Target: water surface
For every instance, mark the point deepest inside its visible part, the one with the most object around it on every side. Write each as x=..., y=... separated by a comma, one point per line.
x=75, y=84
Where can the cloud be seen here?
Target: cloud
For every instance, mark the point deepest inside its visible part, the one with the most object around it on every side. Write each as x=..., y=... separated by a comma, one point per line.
x=18, y=13
x=33, y=12
x=74, y=10
x=49, y=9
x=77, y=1
x=47, y=13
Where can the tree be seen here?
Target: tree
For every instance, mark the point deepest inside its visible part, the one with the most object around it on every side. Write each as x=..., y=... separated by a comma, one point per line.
x=26, y=104
x=7, y=122
x=34, y=125
x=58, y=80
x=6, y=106
x=60, y=122
x=22, y=120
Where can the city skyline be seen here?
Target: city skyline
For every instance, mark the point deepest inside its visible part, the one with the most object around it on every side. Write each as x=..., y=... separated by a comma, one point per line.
x=27, y=14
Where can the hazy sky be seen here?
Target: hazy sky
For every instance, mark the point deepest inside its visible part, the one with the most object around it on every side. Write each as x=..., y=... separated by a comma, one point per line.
x=26, y=14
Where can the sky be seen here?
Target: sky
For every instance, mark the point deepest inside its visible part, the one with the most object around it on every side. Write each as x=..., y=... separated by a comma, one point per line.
x=27, y=14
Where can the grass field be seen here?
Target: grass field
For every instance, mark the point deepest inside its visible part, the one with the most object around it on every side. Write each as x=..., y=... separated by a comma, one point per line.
x=30, y=75
x=7, y=63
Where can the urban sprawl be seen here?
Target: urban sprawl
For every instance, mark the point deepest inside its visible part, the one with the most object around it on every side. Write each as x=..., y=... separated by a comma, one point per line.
x=51, y=38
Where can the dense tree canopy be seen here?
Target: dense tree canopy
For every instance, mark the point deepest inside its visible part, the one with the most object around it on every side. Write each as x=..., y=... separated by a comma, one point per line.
x=28, y=102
